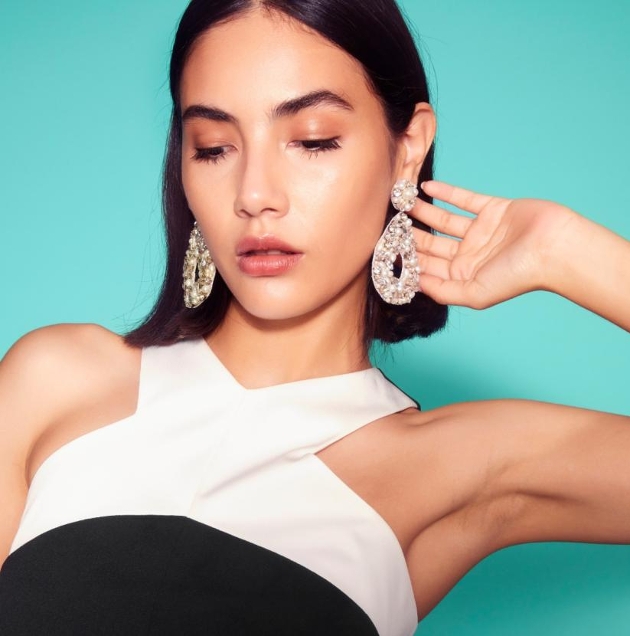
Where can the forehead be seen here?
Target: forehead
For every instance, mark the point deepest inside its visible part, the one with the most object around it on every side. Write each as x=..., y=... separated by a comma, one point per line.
x=262, y=58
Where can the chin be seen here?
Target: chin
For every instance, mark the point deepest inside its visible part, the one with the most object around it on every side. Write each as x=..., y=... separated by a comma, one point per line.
x=283, y=302
x=281, y=299
x=278, y=309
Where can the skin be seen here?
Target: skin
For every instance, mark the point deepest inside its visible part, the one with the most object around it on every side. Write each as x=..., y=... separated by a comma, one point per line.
x=455, y=483
x=329, y=204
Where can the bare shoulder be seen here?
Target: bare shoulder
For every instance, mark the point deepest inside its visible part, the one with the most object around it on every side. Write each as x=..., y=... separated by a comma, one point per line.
x=48, y=377
x=484, y=475
x=59, y=364
x=455, y=459
x=464, y=449
x=476, y=448
x=499, y=439
x=63, y=341
x=560, y=471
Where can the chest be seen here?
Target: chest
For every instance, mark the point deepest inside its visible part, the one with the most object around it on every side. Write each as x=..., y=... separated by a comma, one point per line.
x=324, y=501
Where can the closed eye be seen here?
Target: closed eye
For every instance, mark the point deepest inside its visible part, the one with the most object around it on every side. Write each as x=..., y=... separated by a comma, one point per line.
x=213, y=154
x=313, y=147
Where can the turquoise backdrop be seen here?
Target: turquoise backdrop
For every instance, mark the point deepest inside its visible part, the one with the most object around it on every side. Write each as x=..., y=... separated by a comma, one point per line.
x=532, y=100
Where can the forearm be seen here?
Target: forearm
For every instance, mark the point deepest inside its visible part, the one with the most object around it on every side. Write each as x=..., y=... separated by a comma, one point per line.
x=591, y=267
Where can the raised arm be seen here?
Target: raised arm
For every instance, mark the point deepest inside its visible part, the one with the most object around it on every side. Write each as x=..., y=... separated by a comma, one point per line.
x=591, y=267
x=562, y=472
x=513, y=246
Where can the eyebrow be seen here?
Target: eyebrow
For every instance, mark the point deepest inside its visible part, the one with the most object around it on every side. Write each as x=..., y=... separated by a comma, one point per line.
x=284, y=109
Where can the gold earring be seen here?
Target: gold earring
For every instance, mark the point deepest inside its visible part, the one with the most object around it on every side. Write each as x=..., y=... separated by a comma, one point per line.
x=397, y=239
x=197, y=285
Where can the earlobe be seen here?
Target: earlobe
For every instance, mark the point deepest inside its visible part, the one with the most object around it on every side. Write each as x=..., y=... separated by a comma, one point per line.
x=416, y=141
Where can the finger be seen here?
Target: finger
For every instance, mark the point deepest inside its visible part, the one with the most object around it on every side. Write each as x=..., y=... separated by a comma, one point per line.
x=449, y=292
x=434, y=266
x=440, y=219
x=434, y=245
x=465, y=199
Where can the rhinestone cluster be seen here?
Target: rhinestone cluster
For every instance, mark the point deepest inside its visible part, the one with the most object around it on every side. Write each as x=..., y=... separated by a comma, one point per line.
x=396, y=239
x=196, y=290
x=404, y=195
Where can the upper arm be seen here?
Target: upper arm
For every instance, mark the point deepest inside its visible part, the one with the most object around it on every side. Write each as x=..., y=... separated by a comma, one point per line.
x=569, y=468
x=39, y=383
x=553, y=472
x=503, y=472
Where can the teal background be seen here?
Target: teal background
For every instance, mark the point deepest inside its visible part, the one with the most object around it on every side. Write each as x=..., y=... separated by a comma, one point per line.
x=532, y=100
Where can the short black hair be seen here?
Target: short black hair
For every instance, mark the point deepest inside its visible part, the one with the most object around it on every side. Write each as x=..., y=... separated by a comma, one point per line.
x=375, y=33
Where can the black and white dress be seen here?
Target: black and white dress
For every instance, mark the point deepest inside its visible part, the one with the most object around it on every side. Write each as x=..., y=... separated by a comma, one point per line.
x=208, y=512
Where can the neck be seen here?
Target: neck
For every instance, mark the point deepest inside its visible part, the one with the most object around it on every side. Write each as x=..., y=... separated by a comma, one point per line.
x=261, y=353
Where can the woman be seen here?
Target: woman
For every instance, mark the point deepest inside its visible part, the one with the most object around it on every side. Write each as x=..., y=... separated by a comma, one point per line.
x=236, y=464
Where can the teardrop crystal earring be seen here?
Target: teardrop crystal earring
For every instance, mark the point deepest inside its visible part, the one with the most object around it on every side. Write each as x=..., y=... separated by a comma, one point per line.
x=197, y=285
x=397, y=239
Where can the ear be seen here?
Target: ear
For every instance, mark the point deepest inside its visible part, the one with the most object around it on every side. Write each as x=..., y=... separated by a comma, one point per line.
x=415, y=142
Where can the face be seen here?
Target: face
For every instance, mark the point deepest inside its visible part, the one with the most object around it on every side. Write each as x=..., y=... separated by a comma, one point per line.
x=262, y=159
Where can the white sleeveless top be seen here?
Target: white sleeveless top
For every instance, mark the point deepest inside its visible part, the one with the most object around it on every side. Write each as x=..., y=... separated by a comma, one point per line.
x=243, y=461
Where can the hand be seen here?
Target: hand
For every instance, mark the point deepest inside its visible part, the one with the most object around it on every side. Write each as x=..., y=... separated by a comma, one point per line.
x=504, y=251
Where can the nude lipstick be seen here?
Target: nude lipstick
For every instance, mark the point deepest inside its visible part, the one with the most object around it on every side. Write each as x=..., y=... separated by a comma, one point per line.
x=266, y=256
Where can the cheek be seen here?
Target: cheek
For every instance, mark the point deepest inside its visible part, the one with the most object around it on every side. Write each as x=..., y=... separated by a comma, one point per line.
x=348, y=198
x=193, y=189
x=203, y=183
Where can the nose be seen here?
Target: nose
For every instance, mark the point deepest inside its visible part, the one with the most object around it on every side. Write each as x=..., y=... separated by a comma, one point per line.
x=260, y=185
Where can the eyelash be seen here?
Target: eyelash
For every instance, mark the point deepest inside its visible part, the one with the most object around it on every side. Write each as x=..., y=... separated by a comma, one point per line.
x=324, y=146
x=209, y=155
x=205, y=154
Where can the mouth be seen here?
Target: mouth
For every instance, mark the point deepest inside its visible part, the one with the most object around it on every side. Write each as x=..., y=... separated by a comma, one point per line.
x=266, y=252
x=266, y=256
x=267, y=245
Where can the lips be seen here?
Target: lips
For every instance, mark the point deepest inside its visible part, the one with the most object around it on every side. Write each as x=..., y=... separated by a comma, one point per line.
x=266, y=256
x=260, y=245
